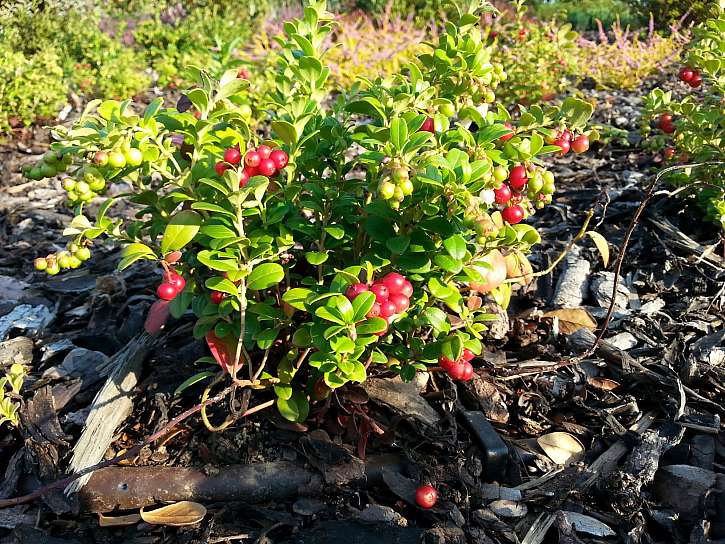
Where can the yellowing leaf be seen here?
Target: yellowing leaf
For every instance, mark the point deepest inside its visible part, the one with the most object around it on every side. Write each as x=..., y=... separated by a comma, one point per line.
x=562, y=448
x=602, y=246
x=118, y=521
x=175, y=515
x=572, y=319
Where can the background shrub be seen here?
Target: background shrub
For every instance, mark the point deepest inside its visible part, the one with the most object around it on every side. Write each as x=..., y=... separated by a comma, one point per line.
x=583, y=14
x=667, y=12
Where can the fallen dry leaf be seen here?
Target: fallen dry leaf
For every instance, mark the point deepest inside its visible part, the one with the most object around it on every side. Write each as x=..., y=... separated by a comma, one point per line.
x=175, y=515
x=118, y=521
x=589, y=525
x=572, y=319
x=605, y=384
x=562, y=448
x=602, y=246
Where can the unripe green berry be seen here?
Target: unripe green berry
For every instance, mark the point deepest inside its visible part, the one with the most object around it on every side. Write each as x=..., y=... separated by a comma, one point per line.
x=548, y=177
x=100, y=158
x=540, y=205
x=69, y=184
x=51, y=157
x=407, y=187
x=489, y=96
x=87, y=197
x=73, y=247
x=398, y=194
x=134, y=157
x=447, y=109
x=535, y=184
x=386, y=190
x=548, y=188
x=40, y=263
x=63, y=259
x=72, y=196
x=500, y=173
x=74, y=262
x=97, y=185
x=400, y=174
x=52, y=269
x=83, y=253
x=82, y=187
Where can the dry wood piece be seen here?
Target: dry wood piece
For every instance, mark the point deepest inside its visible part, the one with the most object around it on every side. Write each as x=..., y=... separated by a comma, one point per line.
x=402, y=397
x=110, y=408
x=135, y=487
x=574, y=280
x=682, y=488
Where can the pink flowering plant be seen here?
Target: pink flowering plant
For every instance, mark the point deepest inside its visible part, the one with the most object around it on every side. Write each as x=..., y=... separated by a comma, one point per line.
x=352, y=230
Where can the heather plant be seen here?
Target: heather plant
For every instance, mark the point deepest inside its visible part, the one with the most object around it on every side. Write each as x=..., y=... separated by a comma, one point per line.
x=627, y=59
x=365, y=228
x=539, y=57
x=692, y=129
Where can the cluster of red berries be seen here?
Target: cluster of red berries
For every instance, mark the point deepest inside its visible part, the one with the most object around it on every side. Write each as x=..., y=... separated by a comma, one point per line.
x=565, y=141
x=665, y=124
x=261, y=161
x=172, y=285
x=690, y=76
x=538, y=184
x=392, y=296
x=462, y=369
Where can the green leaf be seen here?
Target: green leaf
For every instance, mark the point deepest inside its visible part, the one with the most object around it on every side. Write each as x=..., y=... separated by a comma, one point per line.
x=286, y=131
x=181, y=230
x=398, y=244
x=223, y=265
x=218, y=283
x=361, y=305
x=437, y=319
x=133, y=252
x=336, y=232
x=264, y=276
x=296, y=297
x=455, y=246
x=296, y=408
x=196, y=378
x=324, y=312
x=316, y=258
x=371, y=326
x=398, y=133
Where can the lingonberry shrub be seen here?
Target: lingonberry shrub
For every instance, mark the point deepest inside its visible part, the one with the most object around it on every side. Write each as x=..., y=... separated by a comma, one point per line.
x=692, y=130
x=358, y=229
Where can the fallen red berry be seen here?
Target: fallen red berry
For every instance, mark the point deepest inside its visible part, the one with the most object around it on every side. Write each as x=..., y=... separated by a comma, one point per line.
x=252, y=158
x=280, y=158
x=580, y=144
x=232, y=155
x=355, y=289
x=380, y=291
x=426, y=496
x=267, y=167
x=220, y=168
x=166, y=291
x=217, y=297
x=518, y=178
x=513, y=214
x=502, y=195
x=686, y=74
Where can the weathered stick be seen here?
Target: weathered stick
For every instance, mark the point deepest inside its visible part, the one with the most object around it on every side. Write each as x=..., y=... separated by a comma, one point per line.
x=112, y=405
x=135, y=487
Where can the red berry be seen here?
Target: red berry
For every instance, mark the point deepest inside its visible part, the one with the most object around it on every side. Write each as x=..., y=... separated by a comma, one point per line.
x=380, y=291
x=503, y=194
x=507, y=137
x=387, y=309
x=375, y=310
x=166, y=291
x=566, y=134
x=467, y=355
x=428, y=125
x=426, y=496
x=355, y=289
x=667, y=128
x=446, y=363
x=394, y=282
x=177, y=280
x=251, y=171
x=280, y=158
x=696, y=80
x=220, y=168
x=243, y=73
x=518, y=178
x=456, y=370
x=217, y=297
x=401, y=302
x=232, y=155
x=466, y=372
x=665, y=119
x=686, y=74
x=580, y=144
x=563, y=144
x=252, y=159
x=407, y=289
x=264, y=151
x=243, y=178
x=669, y=152
x=513, y=214
x=267, y=167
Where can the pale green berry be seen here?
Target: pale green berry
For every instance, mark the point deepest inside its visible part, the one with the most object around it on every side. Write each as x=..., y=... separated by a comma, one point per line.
x=40, y=263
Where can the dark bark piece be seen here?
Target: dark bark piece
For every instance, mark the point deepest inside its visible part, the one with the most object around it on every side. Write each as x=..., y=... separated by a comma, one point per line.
x=403, y=397
x=12, y=474
x=134, y=487
x=683, y=487
x=703, y=451
x=354, y=532
x=489, y=398
x=495, y=452
x=573, y=284
x=30, y=535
